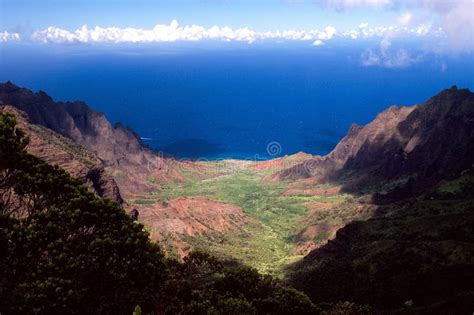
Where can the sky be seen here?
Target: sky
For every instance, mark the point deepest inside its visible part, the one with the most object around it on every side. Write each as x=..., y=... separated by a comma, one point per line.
x=259, y=15
x=170, y=58
x=394, y=34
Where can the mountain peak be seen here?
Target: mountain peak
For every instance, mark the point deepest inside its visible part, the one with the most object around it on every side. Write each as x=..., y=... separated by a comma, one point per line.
x=8, y=86
x=453, y=93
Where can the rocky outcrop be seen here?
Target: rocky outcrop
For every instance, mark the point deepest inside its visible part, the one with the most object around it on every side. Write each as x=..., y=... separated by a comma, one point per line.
x=415, y=253
x=119, y=149
x=68, y=155
x=193, y=216
x=198, y=215
x=73, y=120
x=434, y=140
x=112, y=161
x=429, y=141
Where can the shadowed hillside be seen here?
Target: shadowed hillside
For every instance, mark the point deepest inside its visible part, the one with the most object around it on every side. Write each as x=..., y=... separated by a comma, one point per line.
x=416, y=253
x=64, y=250
x=427, y=141
x=384, y=220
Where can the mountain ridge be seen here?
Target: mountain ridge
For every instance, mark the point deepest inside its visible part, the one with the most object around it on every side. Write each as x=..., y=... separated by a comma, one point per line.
x=67, y=154
x=118, y=147
x=415, y=253
x=301, y=202
x=398, y=141
x=124, y=168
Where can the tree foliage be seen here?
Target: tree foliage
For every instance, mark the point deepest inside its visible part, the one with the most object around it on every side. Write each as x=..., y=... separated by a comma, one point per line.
x=63, y=250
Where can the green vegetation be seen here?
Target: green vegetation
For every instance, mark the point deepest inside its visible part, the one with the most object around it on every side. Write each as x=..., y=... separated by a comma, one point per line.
x=65, y=251
x=62, y=249
x=416, y=253
x=267, y=245
x=143, y=201
x=50, y=137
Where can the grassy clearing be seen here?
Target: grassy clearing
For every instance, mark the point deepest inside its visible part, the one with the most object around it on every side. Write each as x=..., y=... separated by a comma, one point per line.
x=267, y=246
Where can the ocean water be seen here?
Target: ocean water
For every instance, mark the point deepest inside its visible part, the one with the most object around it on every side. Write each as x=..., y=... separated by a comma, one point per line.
x=207, y=102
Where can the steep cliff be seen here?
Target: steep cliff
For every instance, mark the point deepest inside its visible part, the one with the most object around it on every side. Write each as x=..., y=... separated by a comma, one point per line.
x=68, y=155
x=415, y=254
x=118, y=148
x=428, y=141
x=113, y=161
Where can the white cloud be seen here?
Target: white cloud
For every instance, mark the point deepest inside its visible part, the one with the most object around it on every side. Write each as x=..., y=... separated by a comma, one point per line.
x=365, y=31
x=400, y=59
x=455, y=17
x=317, y=42
x=458, y=24
x=369, y=58
x=328, y=33
x=405, y=18
x=385, y=57
x=6, y=36
x=174, y=32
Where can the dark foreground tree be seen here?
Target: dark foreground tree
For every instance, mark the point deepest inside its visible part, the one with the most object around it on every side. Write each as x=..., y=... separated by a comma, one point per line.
x=204, y=285
x=65, y=251
x=62, y=250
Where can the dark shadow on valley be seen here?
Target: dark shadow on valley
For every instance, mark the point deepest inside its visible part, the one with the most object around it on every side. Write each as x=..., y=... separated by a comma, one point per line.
x=415, y=254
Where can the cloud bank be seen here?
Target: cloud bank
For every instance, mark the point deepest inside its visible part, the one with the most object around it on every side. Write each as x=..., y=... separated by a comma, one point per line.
x=6, y=36
x=454, y=33
x=174, y=32
x=455, y=17
x=399, y=58
x=364, y=31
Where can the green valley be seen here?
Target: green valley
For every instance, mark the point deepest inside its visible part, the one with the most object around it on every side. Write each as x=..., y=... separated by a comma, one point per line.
x=268, y=242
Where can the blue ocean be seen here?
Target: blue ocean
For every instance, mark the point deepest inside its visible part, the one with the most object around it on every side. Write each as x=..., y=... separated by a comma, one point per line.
x=212, y=102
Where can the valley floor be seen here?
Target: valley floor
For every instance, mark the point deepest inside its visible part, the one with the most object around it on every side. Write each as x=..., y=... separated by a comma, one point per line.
x=283, y=220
